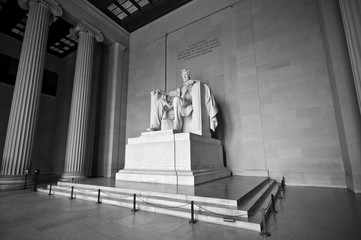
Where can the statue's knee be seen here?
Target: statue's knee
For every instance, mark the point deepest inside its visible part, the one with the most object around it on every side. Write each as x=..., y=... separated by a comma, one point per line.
x=176, y=100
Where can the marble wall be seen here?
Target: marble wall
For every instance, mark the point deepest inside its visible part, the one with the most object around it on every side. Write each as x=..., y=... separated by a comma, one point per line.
x=109, y=136
x=269, y=68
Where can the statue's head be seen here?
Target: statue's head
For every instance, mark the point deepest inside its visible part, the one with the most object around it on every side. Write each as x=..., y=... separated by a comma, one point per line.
x=186, y=74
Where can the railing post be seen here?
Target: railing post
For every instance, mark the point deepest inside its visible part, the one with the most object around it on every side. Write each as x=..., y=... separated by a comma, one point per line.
x=134, y=203
x=37, y=172
x=264, y=228
x=192, y=213
x=99, y=202
x=26, y=177
x=279, y=192
x=273, y=204
x=283, y=184
x=50, y=190
x=72, y=193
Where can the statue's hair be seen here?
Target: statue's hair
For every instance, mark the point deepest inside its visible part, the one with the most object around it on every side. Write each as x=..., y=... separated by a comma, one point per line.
x=186, y=71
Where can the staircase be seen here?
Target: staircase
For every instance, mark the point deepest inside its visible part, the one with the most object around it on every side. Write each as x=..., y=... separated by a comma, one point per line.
x=244, y=212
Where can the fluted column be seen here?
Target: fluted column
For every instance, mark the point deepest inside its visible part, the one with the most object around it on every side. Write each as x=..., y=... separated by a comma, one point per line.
x=25, y=102
x=351, y=16
x=78, y=121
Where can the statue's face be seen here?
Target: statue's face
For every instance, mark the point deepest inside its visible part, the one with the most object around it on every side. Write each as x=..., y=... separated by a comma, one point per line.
x=185, y=76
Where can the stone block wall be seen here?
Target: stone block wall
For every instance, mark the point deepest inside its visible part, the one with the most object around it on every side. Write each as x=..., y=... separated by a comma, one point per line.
x=269, y=68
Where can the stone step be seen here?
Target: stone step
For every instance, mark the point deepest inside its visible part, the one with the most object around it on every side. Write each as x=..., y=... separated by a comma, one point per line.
x=166, y=201
x=213, y=210
x=252, y=192
x=265, y=204
x=256, y=198
x=204, y=200
x=201, y=213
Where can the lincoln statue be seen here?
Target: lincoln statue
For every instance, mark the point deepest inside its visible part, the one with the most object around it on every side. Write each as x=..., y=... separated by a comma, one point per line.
x=175, y=106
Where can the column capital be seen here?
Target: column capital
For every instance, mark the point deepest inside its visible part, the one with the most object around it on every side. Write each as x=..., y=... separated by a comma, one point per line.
x=52, y=5
x=83, y=26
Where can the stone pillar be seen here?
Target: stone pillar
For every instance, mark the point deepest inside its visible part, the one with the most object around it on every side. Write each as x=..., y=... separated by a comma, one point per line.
x=25, y=102
x=78, y=121
x=113, y=111
x=351, y=16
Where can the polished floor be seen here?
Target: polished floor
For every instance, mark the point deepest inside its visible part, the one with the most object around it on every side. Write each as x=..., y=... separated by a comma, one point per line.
x=304, y=213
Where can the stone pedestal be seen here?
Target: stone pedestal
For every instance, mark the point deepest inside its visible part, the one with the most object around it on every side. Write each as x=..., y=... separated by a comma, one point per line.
x=173, y=158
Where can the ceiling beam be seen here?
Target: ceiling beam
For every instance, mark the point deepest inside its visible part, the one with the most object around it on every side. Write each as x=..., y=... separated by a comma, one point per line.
x=122, y=8
x=113, y=17
x=152, y=12
x=103, y=4
x=74, y=11
x=136, y=5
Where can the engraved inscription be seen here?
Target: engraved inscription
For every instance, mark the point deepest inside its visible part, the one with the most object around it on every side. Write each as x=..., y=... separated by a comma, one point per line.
x=199, y=48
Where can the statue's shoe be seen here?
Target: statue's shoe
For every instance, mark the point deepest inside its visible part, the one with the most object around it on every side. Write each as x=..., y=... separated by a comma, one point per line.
x=153, y=129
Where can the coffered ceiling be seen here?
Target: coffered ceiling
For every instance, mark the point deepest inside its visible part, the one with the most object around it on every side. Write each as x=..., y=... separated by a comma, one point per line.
x=129, y=14
x=134, y=14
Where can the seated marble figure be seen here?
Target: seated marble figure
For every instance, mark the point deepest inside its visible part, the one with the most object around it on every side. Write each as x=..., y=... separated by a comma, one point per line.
x=184, y=153
x=189, y=108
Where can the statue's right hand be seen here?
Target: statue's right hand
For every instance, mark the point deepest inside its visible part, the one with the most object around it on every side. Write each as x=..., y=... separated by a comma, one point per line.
x=158, y=92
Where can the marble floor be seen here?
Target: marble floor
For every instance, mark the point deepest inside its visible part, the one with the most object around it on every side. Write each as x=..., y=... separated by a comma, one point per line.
x=304, y=213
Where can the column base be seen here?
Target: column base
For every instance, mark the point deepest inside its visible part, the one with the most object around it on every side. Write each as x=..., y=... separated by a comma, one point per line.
x=13, y=181
x=72, y=176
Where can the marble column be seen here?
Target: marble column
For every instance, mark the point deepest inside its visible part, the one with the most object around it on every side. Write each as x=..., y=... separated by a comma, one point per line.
x=351, y=16
x=114, y=130
x=75, y=155
x=25, y=102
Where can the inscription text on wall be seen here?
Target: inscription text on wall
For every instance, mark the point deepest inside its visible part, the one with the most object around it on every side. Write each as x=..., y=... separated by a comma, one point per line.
x=199, y=48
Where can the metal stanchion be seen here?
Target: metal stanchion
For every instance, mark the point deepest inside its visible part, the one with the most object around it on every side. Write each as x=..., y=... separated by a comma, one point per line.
x=280, y=192
x=99, y=202
x=283, y=184
x=37, y=172
x=273, y=204
x=134, y=203
x=50, y=190
x=264, y=228
x=26, y=177
x=72, y=193
x=192, y=213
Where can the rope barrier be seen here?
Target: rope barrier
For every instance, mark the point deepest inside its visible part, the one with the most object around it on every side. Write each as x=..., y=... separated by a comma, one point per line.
x=161, y=206
x=173, y=207
x=89, y=192
x=112, y=195
x=60, y=188
x=222, y=215
x=264, y=211
x=269, y=204
x=84, y=191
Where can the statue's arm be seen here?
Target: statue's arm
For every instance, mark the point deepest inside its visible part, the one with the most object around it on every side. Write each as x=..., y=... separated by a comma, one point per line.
x=158, y=91
x=175, y=93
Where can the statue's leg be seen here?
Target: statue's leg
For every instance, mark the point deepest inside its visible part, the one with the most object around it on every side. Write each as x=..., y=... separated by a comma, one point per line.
x=178, y=119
